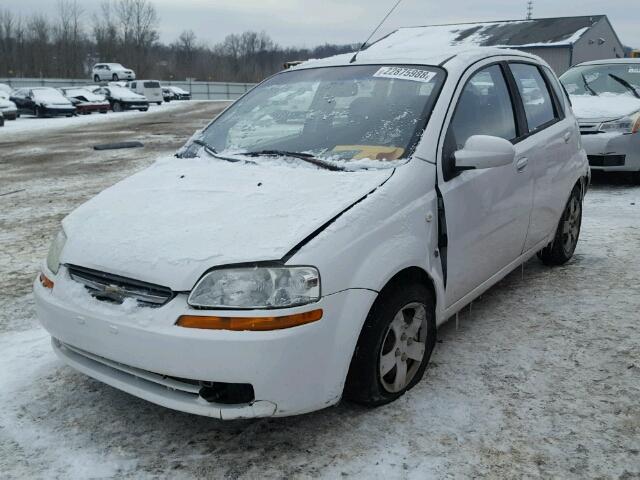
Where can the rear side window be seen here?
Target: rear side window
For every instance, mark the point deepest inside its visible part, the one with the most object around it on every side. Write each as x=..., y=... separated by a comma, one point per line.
x=484, y=108
x=538, y=106
x=151, y=85
x=133, y=84
x=557, y=88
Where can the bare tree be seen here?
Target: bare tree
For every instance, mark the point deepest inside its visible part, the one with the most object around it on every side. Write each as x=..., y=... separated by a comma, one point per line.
x=69, y=35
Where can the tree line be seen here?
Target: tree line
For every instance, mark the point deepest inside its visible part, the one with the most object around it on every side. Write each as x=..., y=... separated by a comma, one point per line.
x=68, y=43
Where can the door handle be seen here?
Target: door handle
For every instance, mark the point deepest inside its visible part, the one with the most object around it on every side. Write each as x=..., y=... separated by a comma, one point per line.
x=567, y=137
x=522, y=163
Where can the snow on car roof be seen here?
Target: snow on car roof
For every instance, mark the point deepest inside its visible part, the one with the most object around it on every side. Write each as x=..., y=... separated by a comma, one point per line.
x=608, y=61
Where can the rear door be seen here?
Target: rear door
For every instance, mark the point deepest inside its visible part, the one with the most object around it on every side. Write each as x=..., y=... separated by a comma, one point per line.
x=487, y=211
x=548, y=128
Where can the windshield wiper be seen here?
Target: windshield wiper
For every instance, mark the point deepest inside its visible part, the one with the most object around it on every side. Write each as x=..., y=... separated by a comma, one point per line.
x=214, y=153
x=587, y=86
x=625, y=84
x=307, y=157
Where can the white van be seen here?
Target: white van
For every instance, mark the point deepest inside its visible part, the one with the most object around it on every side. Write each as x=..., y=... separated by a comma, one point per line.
x=149, y=88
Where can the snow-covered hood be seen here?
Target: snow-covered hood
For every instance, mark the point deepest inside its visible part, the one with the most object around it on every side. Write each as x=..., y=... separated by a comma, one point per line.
x=173, y=221
x=604, y=106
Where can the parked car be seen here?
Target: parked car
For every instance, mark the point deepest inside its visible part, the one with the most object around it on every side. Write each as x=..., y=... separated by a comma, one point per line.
x=111, y=71
x=150, y=89
x=122, y=99
x=606, y=100
x=179, y=93
x=167, y=94
x=282, y=261
x=42, y=102
x=85, y=101
x=7, y=107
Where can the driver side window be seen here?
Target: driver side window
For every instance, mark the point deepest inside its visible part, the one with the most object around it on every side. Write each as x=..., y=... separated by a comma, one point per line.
x=484, y=108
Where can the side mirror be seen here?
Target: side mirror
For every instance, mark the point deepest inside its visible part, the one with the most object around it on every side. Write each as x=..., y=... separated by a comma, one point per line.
x=483, y=151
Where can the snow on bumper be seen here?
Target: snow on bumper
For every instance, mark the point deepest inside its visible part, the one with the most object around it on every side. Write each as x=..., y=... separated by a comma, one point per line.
x=292, y=371
x=613, y=151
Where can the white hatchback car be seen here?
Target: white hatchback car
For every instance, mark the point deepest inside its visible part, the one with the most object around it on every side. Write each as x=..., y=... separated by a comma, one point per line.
x=107, y=72
x=309, y=241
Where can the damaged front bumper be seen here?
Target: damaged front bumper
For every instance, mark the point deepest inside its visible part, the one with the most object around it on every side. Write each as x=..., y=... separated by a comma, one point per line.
x=141, y=351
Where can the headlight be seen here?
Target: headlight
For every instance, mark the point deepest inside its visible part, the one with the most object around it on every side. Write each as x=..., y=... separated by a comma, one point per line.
x=630, y=124
x=55, y=250
x=257, y=287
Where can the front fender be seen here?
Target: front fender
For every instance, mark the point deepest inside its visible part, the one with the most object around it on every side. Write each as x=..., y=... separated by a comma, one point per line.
x=394, y=228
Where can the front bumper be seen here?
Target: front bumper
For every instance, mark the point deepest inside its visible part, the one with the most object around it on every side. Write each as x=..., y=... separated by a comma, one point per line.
x=292, y=371
x=93, y=107
x=613, y=152
x=134, y=105
x=10, y=114
x=54, y=112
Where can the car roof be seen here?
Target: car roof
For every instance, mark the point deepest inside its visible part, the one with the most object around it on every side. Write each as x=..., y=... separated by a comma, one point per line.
x=608, y=61
x=419, y=46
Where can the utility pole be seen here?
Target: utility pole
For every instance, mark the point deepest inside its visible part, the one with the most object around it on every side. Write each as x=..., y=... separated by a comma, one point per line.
x=530, y=10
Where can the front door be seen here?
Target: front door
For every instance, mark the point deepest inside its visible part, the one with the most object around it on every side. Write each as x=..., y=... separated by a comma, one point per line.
x=487, y=211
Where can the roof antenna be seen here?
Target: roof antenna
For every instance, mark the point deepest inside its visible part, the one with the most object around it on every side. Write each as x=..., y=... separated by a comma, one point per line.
x=355, y=55
x=530, y=10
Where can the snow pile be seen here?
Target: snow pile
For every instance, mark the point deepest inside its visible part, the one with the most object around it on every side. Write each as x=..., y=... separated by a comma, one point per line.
x=30, y=125
x=604, y=105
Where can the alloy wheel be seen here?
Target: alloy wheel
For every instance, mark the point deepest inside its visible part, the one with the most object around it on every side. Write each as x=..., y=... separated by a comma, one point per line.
x=571, y=225
x=403, y=347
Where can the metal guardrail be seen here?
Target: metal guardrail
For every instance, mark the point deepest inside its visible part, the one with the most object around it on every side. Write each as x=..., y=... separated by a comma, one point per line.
x=199, y=90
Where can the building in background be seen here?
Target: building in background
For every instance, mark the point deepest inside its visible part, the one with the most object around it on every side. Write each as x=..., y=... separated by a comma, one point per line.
x=561, y=41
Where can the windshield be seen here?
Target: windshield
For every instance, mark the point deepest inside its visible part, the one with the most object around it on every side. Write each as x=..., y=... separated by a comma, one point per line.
x=151, y=84
x=49, y=95
x=121, y=91
x=336, y=114
x=81, y=92
x=614, y=78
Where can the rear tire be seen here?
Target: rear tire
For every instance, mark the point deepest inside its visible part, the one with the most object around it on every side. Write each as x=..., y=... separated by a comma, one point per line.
x=561, y=249
x=117, y=107
x=394, y=346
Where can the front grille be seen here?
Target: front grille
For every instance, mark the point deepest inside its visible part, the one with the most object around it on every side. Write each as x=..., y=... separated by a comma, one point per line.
x=116, y=289
x=606, y=160
x=589, y=128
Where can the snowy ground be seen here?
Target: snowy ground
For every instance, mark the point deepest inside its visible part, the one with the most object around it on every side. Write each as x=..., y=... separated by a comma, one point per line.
x=541, y=380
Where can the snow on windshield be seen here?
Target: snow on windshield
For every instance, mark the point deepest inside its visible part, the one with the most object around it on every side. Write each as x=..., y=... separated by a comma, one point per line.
x=337, y=114
x=616, y=78
x=83, y=92
x=122, y=91
x=49, y=95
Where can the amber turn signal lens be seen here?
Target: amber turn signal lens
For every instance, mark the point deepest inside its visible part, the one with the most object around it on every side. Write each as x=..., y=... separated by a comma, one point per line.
x=249, y=323
x=45, y=281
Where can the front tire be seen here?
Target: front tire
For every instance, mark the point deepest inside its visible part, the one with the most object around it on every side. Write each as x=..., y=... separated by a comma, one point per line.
x=561, y=249
x=96, y=79
x=115, y=77
x=394, y=346
x=117, y=107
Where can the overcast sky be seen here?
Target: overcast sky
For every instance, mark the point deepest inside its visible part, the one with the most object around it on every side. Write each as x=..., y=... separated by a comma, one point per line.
x=313, y=22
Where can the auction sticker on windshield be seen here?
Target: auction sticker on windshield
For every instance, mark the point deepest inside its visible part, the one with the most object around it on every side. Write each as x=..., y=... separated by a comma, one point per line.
x=401, y=73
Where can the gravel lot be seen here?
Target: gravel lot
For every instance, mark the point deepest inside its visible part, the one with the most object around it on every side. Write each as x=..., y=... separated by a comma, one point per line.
x=540, y=380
